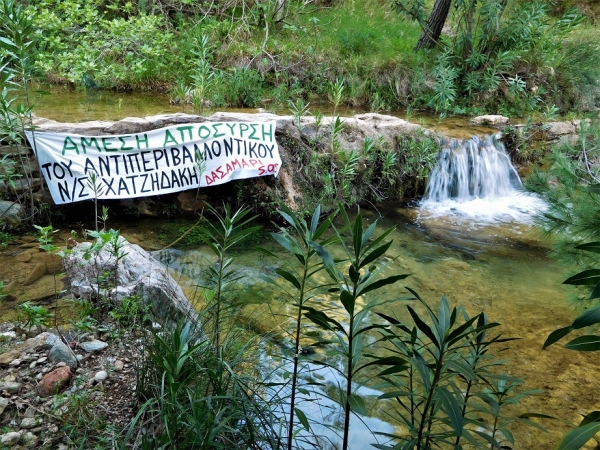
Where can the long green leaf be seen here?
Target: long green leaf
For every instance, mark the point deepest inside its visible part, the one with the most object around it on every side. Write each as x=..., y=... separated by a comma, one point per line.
x=376, y=253
x=357, y=404
x=590, y=247
x=588, y=343
x=589, y=317
x=577, y=438
x=423, y=327
x=557, y=335
x=302, y=418
x=453, y=410
x=381, y=283
x=594, y=416
x=289, y=277
x=587, y=278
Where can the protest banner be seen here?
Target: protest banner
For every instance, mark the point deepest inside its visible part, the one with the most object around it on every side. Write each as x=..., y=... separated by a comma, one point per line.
x=156, y=162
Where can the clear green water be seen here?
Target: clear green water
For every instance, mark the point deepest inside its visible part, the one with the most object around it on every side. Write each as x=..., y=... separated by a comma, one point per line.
x=501, y=269
x=78, y=105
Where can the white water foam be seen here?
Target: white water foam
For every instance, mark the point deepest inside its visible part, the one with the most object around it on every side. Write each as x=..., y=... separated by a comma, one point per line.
x=474, y=180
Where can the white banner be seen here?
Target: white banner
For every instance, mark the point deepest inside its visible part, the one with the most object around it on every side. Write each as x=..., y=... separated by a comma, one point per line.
x=156, y=162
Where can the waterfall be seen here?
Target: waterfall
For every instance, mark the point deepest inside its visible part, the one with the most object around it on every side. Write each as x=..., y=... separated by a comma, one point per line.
x=475, y=178
x=472, y=169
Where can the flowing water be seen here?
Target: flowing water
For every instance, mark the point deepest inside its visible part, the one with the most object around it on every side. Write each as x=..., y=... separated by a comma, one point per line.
x=471, y=240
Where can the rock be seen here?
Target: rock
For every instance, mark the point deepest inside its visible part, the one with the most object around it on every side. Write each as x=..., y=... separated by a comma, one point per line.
x=3, y=404
x=554, y=130
x=137, y=274
x=12, y=387
x=62, y=353
x=30, y=439
x=7, y=336
x=15, y=363
x=492, y=120
x=10, y=439
x=54, y=381
x=191, y=200
x=119, y=365
x=93, y=346
x=53, y=263
x=23, y=257
x=39, y=270
x=30, y=422
x=101, y=376
x=46, y=287
x=11, y=213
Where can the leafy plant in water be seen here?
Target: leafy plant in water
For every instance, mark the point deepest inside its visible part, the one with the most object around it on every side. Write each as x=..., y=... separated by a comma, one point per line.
x=222, y=237
x=443, y=380
x=298, y=109
x=362, y=277
x=303, y=288
x=97, y=187
x=590, y=425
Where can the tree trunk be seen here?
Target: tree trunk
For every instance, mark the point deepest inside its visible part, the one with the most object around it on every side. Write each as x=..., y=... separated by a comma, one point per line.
x=432, y=31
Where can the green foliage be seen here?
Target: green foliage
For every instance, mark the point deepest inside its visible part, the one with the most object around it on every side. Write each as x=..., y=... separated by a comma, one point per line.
x=231, y=229
x=131, y=312
x=243, y=87
x=363, y=251
x=573, y=202
x=444, y=380
x=197, y=397
x=303, y=287
x=31, y=315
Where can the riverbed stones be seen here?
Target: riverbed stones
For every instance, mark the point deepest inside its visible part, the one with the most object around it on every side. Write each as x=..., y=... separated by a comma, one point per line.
x=10, y=387
x=100, y=376
x=136, y=273
x=11, y=438
x=53, y=382
x=43, y=341
x=38, y=271
x=62, y=353
x=93, y=346
x=492, y=120
x=11, y=214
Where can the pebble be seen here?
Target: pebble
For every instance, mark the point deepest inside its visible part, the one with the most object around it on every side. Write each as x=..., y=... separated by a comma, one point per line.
x=33, y=364
x=10, y=386
x=11, y=438
x=43, y=359
x=30, y=438
x=101, y=376
x=62, y=353
x=3, y=404
x=14, y=363
x=93, y=346
x=39, y=376
x=29, y=422
x=119, y=365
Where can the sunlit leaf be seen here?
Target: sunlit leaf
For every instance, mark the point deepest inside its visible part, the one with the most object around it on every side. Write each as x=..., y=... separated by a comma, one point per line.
x=587, y=277
x=577, y=438
x=557, y=335
x=588, y=343
x=302, y=418
x=357, y=404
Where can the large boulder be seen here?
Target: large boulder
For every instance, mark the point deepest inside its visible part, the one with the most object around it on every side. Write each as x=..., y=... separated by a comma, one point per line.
x=93, y=272
x=11, y=214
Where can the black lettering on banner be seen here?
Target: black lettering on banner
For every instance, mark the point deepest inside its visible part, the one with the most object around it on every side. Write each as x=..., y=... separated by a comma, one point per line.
x=145, y=177
x=164, y=177
x=175, y=156
x=104, y=165
x=193, y=175
x=47, y=168
x=109, y=184
x=154, y=180
x=187, y=155
x=158, y=155
x=145, y=162
x=228, y=144
x=60, y=175
x=137, y=162
x=115, y=158
x=68, y=167
x=89, y=166
x=123, y=186
x=214, y=151
x=174, y=179
x=132, y=178
x=262, y=151
x=207, y=152
x=82, y=191
x=63, y=190
x=182, y=176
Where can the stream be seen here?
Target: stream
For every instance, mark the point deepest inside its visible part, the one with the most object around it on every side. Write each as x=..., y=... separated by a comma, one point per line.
x=482, y=253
